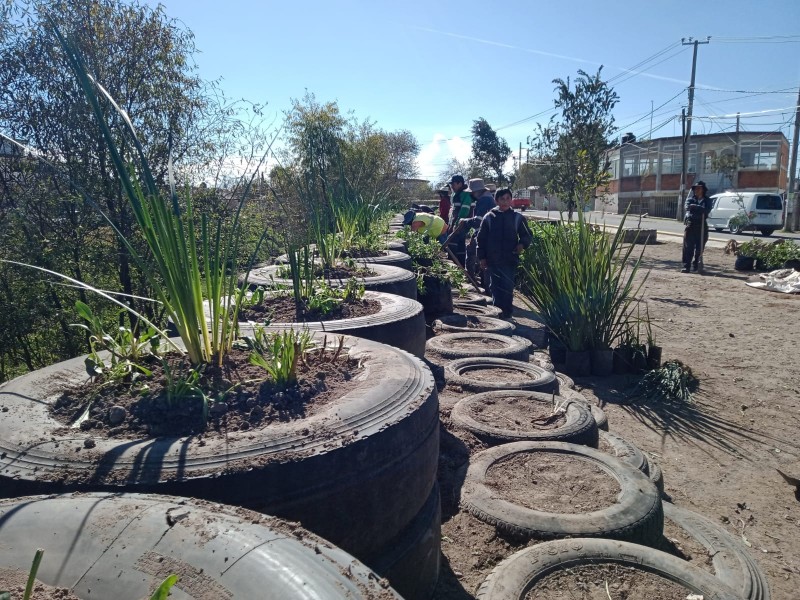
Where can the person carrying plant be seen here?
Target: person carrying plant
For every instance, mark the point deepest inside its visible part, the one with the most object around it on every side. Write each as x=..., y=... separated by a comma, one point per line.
x=461, y=202
x=695, y=233
x=502, y=237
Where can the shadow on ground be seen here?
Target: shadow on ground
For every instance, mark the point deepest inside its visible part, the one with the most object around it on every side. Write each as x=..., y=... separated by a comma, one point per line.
x=697, y=423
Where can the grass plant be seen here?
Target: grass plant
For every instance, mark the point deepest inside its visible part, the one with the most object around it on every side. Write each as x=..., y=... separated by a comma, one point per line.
x=278, y=353
x=672, y=382
x=577, y=278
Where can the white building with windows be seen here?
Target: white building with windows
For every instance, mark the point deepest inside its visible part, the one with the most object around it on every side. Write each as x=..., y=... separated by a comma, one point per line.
x=645, y=175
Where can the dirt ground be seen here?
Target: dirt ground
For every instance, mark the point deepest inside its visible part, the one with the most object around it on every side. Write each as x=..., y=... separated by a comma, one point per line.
x=719, y=455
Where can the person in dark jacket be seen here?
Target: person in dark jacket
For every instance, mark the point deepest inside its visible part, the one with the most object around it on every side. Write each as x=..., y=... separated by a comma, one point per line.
x=695, y=233
x=502, y=237
x=461, y=208
x=483, y=202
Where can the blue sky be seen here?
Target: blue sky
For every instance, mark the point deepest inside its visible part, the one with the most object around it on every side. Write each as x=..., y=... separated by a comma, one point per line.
x=435, y=67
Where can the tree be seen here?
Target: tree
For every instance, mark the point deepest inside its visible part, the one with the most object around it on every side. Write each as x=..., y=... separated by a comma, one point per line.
x=489, y=152
x=585, y=125
x=144, y=60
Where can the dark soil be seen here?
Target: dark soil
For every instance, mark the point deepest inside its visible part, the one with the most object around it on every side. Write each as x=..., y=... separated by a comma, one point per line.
x=551, y=482
x=518, y=413
x=14, y=581
x=283, y=309
x=588, y=582
x=240, y=396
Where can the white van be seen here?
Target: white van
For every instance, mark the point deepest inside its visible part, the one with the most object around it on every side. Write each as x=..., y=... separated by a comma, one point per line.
x=730, y=210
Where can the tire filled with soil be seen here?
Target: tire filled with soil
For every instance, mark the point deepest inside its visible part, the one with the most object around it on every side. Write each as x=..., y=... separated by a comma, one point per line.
x=355, y=467
x=471, y=323
x=547, y=490
x=451, y=346
x=581, y=568
x=122, y=547
x=514, y=416
x=476, y=310
x=478, y=374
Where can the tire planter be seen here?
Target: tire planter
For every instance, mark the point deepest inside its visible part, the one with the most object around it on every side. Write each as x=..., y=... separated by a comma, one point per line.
x=637, y=515
x=476, y=310
x=461, y=324
x=626, y=451
x=452, y=346
x=400, y=322
x=411, y=560
x=579, y=428
x=541, y=359
x=391, y=257
x=598, y=413
x=123, y=547
x=387, y=279
x=564, y=381
x=397, y=244
x=458, y=372
x=732, y=562
x=655, y=473
x=515, y=577
x=356, y=472
x=469, y=298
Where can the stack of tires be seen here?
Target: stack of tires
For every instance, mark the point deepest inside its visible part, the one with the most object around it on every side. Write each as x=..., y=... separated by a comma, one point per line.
x=527, y=415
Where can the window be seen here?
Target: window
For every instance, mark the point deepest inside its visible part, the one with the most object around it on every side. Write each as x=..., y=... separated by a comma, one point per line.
x=672, y=158
x=771, y=202
x=638, y=161
x=760, y=156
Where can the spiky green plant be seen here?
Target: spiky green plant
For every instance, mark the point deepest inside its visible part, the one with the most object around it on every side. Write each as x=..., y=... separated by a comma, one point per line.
x=278, y=353
x=670, y=383
x=577, y=278
x=189, y=258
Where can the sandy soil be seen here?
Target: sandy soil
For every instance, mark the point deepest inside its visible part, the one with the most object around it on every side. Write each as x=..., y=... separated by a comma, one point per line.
x=719, y=455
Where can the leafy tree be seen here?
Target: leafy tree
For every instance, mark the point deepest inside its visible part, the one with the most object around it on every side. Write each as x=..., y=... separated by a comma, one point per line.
x=144, y=60
x=489, y=151
x=585, y=125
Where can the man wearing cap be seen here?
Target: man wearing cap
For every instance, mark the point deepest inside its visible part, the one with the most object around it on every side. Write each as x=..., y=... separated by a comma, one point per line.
x=461, y=209
x=695, y=234
x=426, y=223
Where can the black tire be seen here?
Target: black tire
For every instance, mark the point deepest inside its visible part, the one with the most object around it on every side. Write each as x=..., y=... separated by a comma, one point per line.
x=476, y=310
x=459, y=324
x=398, y=245
x=542, y=359
x=735, y=228
x=122, y=547
x=387, y=279
x=732, y=562
x=626, y=451
x=372, y=452
x=400, y=323
x=766, y=232
x=579, y=428
x=457, y=373
x=393, y=258
x=514, y=578
x=598, y=413
x=450, y=346
x=411, y=560
x=655, y=473
x=468, y=298
x=636, y=516
x=564, y=381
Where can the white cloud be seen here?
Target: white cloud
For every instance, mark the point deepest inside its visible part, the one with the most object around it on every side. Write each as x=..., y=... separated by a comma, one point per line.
x=435, y=155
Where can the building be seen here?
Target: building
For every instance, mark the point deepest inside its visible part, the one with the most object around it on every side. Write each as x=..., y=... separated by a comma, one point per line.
x=645, y=175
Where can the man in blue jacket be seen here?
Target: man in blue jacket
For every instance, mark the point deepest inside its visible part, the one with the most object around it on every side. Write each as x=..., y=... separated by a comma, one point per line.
x=502, y=237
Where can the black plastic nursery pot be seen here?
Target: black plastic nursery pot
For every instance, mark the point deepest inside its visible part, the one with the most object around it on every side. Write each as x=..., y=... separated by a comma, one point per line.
x=357, y=472
x=437, y=299
x=123, y=546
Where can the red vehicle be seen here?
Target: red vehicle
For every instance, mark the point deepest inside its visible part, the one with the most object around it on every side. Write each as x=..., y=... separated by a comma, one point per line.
x=520, y=203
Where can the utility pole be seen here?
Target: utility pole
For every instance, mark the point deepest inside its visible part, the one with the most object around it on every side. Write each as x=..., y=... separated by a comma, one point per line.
x=790, y=193
x=688, y=129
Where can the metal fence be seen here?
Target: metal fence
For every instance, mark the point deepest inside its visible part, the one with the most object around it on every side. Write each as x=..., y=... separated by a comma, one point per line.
x=655, y=206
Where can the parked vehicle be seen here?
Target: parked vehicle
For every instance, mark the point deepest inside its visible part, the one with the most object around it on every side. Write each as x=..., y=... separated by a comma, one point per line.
x=520, y=203
x=740, y=211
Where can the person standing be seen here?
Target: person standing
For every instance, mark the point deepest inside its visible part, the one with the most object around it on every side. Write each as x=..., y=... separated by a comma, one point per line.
x=695, y=232
x=461, y=203
x=444, y=202
x=502, y=237
x=483, y=202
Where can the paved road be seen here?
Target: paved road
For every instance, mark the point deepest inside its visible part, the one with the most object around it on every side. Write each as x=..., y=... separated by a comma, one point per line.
x=668, y=229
